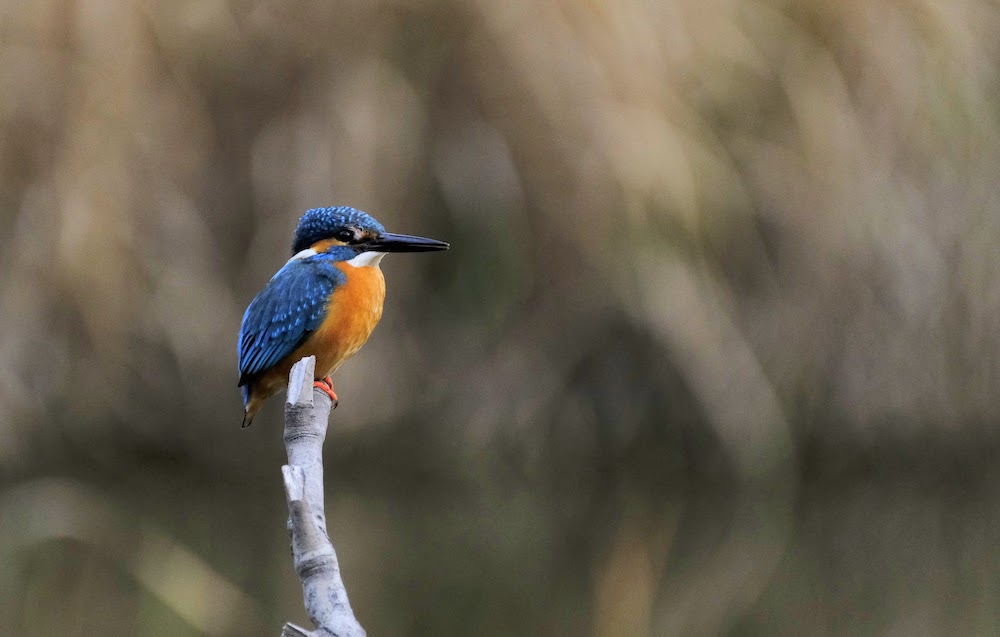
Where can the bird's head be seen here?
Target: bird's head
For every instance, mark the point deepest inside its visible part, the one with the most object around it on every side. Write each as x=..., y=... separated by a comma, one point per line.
x=321, y=229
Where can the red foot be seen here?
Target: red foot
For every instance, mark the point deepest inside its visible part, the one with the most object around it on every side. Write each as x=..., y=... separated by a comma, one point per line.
x=326, y=385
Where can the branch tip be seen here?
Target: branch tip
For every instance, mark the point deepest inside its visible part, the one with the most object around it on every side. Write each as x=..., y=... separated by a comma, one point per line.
x=291, y=630
x=300, y=381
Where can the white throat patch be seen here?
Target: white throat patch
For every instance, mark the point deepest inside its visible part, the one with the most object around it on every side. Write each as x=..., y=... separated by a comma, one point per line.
x=366, y=259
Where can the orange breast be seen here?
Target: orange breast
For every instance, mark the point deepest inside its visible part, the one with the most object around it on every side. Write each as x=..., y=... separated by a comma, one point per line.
x=352, y=314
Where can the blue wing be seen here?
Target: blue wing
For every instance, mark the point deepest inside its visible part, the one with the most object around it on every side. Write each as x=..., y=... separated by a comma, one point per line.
x=288, y=309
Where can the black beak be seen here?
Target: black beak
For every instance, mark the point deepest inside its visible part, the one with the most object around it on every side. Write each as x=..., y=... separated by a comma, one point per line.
x=389, y=242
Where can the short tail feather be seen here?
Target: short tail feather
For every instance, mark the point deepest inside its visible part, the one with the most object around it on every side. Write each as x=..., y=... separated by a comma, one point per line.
x=247, y=416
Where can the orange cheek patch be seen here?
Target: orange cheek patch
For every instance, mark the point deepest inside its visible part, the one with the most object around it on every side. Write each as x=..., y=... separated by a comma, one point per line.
x=326, y=244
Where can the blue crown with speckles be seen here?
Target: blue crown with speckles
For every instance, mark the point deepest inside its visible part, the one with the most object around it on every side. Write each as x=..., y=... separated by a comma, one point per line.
x=322, y=223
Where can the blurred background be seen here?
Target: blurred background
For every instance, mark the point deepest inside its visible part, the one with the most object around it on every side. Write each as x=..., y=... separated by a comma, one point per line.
x=716, y=349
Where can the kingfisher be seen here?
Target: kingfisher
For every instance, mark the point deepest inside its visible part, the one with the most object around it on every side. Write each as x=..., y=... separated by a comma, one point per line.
x=324, y=302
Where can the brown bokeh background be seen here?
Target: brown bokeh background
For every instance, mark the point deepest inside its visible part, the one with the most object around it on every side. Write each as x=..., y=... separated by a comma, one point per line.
x=715, y=350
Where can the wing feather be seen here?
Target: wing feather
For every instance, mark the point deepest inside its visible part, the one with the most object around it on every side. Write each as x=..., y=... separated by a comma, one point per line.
x=281, y=317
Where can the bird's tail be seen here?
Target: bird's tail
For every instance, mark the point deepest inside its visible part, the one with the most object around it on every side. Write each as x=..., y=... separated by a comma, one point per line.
x=247, y=413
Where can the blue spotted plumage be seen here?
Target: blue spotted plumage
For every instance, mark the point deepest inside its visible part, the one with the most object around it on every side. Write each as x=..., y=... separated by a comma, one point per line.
x=315, y=225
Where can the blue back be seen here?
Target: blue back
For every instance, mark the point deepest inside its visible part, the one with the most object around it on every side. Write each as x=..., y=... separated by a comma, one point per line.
x=288, y=309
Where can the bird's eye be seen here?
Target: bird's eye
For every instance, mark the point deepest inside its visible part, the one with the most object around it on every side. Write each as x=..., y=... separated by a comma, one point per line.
x=346, y=236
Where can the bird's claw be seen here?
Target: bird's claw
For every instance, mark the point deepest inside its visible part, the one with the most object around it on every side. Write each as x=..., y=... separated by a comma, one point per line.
x=326, y=384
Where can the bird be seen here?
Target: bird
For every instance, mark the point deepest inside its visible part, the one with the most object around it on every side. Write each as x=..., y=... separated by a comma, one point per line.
x=324, y=302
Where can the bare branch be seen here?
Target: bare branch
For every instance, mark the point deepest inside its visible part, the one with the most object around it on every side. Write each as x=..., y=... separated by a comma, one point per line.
x=306, y=416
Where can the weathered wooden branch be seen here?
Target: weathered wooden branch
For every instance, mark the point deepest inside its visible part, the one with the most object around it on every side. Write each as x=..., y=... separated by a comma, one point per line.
x=307, y=412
